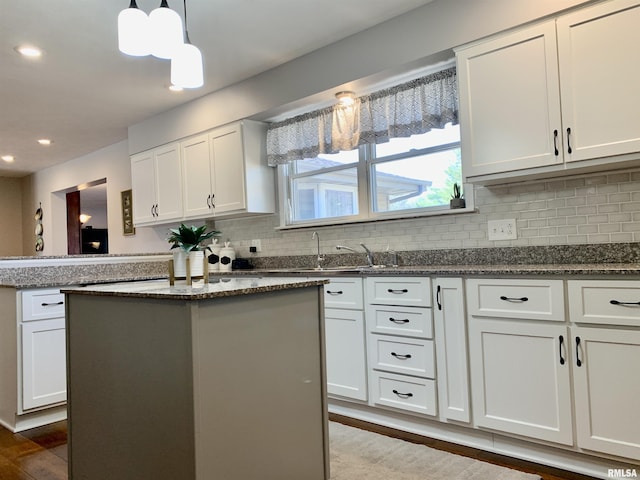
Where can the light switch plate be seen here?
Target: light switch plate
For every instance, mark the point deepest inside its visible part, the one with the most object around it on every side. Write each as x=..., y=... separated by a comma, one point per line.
x=502, y=229
x=256, y=243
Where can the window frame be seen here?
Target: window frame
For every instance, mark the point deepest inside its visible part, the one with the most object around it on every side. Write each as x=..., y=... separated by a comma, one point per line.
x=366, y=213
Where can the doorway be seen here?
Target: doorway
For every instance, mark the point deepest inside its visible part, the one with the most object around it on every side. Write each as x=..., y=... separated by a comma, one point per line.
x=87, y=229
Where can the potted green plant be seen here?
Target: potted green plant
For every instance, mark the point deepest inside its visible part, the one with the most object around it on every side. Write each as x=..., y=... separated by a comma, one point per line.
x=457, y=200
x=188, y=241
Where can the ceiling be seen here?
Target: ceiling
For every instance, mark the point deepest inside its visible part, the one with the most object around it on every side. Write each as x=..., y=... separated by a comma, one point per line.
x=83, y=93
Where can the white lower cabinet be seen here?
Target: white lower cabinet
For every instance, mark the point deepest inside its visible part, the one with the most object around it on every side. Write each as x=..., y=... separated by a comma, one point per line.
x=346, y=356
x=400, y=344
x=345, y=339
x=607, y=390
x=520, y=377
x=605, y=338
x=518, y=357
x=44, y=374
x=449, y=316
x=43, y=349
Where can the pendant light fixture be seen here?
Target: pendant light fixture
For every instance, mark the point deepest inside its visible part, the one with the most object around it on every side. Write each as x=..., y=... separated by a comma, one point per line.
x=133, y=31
x=166, y=31
x=186, y=63
x=161, y=35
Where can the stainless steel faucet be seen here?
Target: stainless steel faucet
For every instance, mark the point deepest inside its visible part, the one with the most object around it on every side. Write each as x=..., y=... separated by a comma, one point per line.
x=369, y=253
x=319, y=258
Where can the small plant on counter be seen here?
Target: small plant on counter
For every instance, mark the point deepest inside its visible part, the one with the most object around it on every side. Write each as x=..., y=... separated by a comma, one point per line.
x=190, y=238
x=456, y=199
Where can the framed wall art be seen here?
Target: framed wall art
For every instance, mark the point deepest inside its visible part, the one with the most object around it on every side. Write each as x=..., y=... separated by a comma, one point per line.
x=127, y=213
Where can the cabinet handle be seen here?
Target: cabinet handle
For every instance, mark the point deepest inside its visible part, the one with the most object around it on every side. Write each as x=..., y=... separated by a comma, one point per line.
x=578, y=361
x=514, y=299
x=213, y=205
x=403, y=395
x=155, y=210
x=438, y=293
x=401, y=357
x=52, y=304
x=152, y=212
x=555, y=143
x=569, y=140
x=338, y=292
x=391, y=290
x=209, y=201
x=561, y=338
x=617, y=302
x=399, y=320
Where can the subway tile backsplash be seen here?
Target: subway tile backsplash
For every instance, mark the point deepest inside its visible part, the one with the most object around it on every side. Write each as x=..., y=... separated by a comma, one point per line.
x=586, y=209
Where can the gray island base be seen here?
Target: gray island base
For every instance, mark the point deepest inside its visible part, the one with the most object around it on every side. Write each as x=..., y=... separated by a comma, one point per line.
x=222, y=381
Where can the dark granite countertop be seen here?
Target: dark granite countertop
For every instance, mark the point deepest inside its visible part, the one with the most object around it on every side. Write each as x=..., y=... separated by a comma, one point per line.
x=220, y=287
x=625, y=269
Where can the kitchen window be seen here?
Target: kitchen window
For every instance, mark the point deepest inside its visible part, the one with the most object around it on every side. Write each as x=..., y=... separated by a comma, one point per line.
x=404, y=177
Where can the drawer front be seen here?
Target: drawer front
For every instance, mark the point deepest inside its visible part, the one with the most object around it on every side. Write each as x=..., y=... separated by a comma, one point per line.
x=344, y=293
x=410, y=322
x=42, y=304
x=607, y=302
x=512, y=298
x=411, y=394
x=403, y=291
x=402, y=355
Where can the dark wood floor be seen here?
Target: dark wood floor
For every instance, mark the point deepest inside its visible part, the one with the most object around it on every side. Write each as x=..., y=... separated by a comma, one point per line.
x=41, y=453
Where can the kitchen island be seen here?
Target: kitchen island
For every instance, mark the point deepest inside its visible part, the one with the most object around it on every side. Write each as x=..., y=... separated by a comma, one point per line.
x=222, y=380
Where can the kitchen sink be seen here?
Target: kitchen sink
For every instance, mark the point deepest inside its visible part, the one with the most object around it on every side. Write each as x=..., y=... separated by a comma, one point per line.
x=344, y=268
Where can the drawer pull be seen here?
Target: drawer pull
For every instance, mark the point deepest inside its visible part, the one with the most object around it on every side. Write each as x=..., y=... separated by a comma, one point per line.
x=403, y=395
x=52, y=304
x=391, y=290
x=617, y=302
x=438, y=300
x=514, y=299
x=401, y=357
x=561, y=338
x=399, y=320
x=578, y=361
x=337, y=292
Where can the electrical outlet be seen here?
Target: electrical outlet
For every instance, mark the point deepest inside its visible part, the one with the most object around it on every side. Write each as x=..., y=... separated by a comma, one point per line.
x=502, y=229
x=257, y=244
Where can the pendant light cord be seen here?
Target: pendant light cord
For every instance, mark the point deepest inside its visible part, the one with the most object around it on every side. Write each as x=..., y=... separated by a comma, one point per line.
x=186, y=30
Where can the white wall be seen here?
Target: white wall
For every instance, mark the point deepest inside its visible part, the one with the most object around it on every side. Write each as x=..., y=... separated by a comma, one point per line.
x=50, y=185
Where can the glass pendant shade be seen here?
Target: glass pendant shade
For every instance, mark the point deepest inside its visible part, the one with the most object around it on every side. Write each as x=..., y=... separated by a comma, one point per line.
x=133, y=31
x=167, y=33
x=186, y=67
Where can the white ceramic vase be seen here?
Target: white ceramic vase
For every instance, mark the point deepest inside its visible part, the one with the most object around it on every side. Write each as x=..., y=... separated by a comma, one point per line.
x=196, y=262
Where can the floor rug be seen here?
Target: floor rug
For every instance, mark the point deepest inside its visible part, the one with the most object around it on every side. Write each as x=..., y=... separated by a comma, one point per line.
x=361, y=455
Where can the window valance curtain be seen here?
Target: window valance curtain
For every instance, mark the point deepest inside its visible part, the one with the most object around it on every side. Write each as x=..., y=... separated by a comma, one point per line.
x=407, y=109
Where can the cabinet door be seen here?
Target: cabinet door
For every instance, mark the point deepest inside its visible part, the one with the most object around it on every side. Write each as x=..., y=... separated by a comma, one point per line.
x=599, y=72
x=509, y=102
x=44, y=373
x=520, y=378
x=227, y=155
x=196, y=177
x=168, y=182
x=144, y=188
x=451, y=349
x=607, y=390
x=346, y=357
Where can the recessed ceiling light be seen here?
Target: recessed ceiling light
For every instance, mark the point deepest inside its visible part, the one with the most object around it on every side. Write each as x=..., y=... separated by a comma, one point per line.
x=28, y=51
x=45, y=141
x=175, y=88
x=8, y=158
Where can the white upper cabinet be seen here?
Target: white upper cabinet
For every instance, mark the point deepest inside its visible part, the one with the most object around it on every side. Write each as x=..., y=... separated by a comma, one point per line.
x=510, y=102
x=599, y=68
x=224, y=172
x=156, y=185
x=553, y=97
